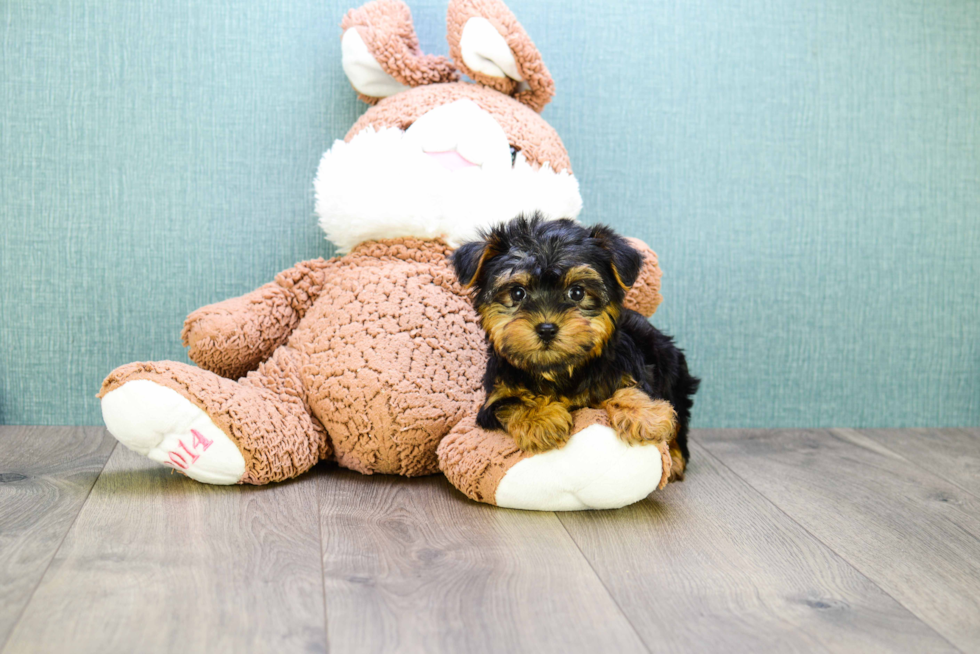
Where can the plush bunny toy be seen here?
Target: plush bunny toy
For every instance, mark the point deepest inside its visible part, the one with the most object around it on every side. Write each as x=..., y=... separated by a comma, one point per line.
x=375, y=359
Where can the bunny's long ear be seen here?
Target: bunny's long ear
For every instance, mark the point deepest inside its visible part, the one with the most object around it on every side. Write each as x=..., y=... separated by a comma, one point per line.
x=381, y=54
x=488, y=44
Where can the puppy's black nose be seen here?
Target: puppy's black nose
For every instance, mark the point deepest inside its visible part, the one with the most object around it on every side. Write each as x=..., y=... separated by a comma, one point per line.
x=546, y=330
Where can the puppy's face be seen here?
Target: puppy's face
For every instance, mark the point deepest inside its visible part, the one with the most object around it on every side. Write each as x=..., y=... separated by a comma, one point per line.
x=552, y=321
x=549, y=293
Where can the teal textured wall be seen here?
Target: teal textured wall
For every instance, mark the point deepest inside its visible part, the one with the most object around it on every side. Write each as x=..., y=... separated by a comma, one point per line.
x=808, y=170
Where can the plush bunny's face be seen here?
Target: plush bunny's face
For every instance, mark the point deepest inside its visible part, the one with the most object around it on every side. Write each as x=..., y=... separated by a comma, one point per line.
x=436, y=157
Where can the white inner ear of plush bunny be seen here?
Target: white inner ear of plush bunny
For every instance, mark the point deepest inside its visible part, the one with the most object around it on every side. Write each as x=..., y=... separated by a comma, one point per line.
x=364, y=72
x=485, y=50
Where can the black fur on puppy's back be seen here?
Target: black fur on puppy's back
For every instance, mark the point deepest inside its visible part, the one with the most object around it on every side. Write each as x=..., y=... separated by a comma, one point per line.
x=665, y=374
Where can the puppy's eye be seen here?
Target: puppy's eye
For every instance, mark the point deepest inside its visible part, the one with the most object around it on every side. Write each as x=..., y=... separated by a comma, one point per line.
x=513, y=154
x=576, y=294
x=518, y=293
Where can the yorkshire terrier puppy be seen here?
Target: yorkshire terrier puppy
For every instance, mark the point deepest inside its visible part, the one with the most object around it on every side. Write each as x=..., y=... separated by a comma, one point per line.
x=550, y=298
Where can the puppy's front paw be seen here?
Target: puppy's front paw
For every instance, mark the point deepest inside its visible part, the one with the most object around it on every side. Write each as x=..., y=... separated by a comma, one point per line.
x=638, y=419
x=539, y=427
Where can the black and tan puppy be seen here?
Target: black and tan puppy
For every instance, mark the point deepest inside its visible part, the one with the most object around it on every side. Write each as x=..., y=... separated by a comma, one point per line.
x=550, y=296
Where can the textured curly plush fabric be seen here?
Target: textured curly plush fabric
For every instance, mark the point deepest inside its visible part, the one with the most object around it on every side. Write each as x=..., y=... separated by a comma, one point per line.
x=395, y=356
x=525, y=129
x=265, y=414
x=644, y=297
x=383, y=351
x=386, y=28
x=371, y=359
x=233, y=337
x=541, y=87
x=476, y=460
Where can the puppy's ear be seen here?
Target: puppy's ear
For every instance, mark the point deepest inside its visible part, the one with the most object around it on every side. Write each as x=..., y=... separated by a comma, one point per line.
x=626, y=260
x=469, y=258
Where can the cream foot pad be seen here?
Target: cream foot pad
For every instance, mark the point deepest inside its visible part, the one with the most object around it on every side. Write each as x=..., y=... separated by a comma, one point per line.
x=595, y=470
x=160, y=423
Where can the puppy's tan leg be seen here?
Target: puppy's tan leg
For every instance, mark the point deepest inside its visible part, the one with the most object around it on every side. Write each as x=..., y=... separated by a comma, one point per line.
x=678, y=464
x=536, y=423
x=639, y=419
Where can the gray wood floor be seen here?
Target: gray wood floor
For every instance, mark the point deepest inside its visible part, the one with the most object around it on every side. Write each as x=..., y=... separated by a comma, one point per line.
x=816, y=540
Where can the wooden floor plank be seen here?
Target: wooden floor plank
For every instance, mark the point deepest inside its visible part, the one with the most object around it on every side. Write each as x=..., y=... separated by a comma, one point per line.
x=411, y=565
x=912, y=533
x=158, y=563
x=708, y=565
x=45, y=475
x=953, y=454
x=154, y=562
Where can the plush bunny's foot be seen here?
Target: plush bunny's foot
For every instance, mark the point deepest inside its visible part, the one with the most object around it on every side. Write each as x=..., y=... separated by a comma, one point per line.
x=594, y=470
x=215, y=430
x=160, y=423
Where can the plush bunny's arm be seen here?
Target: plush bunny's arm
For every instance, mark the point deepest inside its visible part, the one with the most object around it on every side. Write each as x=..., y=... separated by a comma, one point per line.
x=233, y=337
x=644, y=296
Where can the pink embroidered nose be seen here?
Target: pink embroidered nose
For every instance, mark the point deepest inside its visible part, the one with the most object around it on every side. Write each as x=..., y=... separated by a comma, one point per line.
x=451, y=160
